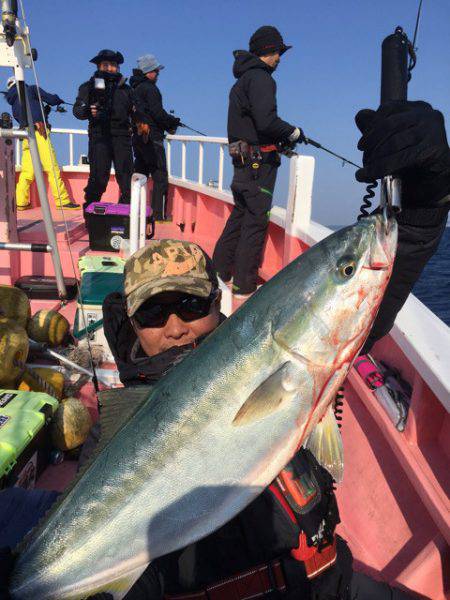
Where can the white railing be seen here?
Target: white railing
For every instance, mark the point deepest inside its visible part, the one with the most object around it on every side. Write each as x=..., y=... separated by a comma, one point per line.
x=189, y=140
x=185, y=141
x=70, y=132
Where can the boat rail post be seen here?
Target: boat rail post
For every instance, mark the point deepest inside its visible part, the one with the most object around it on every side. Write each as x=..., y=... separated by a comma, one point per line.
x=138, y=212
x=298, y=210
x=41, y=188
x=143, y=214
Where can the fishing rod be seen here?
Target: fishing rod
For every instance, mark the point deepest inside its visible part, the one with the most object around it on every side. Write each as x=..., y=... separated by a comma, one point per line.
x=192, y=129
x=188, y=127
x=342, y=158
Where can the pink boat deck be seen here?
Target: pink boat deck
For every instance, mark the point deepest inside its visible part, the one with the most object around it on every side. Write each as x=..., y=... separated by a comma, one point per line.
x=394, y=497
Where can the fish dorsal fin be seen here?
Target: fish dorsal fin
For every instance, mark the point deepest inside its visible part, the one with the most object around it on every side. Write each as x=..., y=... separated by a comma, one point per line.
x=117, y=406
x=325, y=443
x=271, y=395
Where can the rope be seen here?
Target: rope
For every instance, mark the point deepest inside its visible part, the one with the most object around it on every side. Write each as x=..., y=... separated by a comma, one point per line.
x=61, y=208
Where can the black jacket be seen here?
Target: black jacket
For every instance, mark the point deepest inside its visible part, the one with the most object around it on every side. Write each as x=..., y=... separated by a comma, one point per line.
x=260, y=533
x=116, y=105
x=149, y=99
x=252, y=111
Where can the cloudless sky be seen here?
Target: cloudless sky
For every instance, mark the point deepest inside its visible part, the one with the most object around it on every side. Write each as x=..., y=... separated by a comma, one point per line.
x=332, y=71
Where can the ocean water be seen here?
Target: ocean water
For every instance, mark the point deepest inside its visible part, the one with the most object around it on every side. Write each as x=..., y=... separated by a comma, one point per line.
x=433, y=287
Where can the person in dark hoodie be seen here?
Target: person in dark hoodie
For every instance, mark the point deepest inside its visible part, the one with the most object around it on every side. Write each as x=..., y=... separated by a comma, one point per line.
x=45, y=147
x=255, y=134
x=148, y=140
x=107, y=102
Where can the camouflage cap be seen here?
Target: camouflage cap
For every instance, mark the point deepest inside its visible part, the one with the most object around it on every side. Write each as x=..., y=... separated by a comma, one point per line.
x=167, y=266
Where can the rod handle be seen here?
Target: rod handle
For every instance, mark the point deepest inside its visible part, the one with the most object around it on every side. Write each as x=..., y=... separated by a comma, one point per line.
x=394, y=67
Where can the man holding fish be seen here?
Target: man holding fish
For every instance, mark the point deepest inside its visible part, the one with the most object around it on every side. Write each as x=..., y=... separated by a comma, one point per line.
x=206, y=475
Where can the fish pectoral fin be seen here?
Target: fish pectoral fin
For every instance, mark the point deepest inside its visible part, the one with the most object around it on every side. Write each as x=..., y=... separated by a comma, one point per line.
x=117, y=407
x=271, y=395
x=325, y=443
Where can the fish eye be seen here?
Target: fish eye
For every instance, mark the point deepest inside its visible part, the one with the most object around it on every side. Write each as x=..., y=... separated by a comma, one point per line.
x=346, y=267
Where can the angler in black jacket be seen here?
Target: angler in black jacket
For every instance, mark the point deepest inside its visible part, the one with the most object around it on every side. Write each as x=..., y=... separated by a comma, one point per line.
x=107, y=102
x=254, y=133
x=148, y=140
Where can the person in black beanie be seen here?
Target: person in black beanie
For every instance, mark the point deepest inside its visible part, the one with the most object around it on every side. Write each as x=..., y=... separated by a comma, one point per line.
x=107, y=102
x=255, y=134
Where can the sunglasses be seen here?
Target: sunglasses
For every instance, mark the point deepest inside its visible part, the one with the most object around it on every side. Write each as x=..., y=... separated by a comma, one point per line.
x=188, y=308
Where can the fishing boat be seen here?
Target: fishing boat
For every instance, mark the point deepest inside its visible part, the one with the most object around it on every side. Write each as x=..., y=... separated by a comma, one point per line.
x=394, y=497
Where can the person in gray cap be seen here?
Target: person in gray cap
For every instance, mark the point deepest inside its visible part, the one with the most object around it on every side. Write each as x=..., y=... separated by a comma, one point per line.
x=148, y=140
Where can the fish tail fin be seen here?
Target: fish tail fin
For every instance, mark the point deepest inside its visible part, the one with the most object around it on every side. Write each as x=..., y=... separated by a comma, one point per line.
x=325, y=443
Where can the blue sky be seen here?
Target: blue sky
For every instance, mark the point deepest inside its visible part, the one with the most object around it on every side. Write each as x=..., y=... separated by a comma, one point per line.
x=332, y=71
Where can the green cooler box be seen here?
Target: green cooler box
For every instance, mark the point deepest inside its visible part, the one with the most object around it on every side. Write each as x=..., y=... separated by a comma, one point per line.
x=100, y=264
x=25, y=443
x=95, y=286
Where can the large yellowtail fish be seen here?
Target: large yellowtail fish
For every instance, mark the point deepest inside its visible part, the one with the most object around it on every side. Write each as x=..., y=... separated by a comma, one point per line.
x=213, y=433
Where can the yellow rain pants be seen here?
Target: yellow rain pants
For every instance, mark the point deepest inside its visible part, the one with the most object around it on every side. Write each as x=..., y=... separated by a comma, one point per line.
x=49, y=166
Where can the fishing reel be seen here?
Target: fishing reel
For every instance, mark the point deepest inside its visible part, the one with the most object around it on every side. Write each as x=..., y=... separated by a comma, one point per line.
x=391, y=194
x=287, y=149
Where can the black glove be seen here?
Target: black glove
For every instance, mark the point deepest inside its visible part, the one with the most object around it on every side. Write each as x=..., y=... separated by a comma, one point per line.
x=174, y=126
x=296, y=137
x=407, y=139
x=6, y=567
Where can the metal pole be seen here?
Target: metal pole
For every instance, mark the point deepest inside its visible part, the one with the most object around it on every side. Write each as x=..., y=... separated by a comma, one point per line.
x=42, y=192
x=43, y=348
x=71, y=149
x=200, y=163
x=19, y=134
x=33, y=247
x=221, y=156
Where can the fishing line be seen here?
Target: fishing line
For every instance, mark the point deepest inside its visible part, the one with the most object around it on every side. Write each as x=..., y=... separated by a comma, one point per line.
x=61, y=208
x=338, y=406
x=413, y=48
x=338, y=409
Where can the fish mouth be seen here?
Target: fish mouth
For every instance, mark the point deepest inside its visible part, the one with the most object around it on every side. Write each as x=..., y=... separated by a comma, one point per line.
x=382, y=248
x=378, y=267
